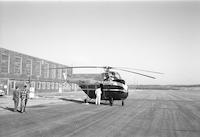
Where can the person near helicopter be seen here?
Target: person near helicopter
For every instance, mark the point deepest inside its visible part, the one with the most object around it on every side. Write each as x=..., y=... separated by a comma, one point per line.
x=24, y=95
x=16, y=96
x=98, y=93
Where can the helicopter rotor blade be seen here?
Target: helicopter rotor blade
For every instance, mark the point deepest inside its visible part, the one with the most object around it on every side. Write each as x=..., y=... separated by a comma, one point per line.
x=78, y=67
x=138, y=70
x=135, y=73
x=87, y=67
x=117, y=68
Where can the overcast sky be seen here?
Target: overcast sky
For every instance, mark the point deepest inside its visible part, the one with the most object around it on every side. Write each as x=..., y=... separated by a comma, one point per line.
x=160, y=36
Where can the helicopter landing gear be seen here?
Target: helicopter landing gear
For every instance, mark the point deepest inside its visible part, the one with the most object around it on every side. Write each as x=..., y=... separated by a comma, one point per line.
x=122, y=102
x=86, y=100
x=111, y=101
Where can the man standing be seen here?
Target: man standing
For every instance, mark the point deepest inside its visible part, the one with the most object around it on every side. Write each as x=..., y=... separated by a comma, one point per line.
x=98, y=93
x=24, y=99
x=16, y=98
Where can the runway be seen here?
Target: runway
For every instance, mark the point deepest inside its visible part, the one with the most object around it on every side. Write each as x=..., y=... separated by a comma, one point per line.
x=147, y=113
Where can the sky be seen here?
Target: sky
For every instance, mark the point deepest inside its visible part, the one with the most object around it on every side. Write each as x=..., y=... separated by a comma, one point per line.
x=155, y=35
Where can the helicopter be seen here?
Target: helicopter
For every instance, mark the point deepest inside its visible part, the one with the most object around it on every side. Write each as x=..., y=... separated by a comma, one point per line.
x=113, y=86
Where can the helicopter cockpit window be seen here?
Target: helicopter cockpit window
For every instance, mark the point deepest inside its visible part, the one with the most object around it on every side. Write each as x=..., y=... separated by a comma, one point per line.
x=111, y=76
x=116, y=76
x=108, y=76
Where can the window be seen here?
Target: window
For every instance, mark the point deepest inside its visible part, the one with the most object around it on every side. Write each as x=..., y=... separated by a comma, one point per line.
x=52, y=85
x=37, y=68
x=46, y=70
x=28, y=67
x=4, y=64
x=43, y=85
x=53, y=71
x=38, y=85
x=59, y=73
x=48, y=85
x=17, y=65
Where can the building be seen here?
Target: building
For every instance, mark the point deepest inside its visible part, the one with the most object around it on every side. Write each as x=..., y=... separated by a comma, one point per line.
x=17, y=69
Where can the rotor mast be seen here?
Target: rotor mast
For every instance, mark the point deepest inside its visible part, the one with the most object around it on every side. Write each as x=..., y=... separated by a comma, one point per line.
x=107, y=68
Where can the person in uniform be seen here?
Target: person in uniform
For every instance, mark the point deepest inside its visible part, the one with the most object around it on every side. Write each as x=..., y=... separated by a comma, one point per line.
x=16, y=98
x=98, y=93
x=24, y=99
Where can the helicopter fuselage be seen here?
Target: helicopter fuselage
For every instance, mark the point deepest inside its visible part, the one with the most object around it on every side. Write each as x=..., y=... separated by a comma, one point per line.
x=111, y=90
x=114, y=88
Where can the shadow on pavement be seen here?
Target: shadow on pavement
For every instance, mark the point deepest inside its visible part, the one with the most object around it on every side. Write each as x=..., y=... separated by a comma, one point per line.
x=8, y=108
x=72, y=100
x=80, y=101
x=37, y=106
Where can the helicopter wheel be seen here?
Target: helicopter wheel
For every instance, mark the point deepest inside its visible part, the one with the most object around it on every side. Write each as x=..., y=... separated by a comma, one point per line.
x=122, y=102
x=85, y=100
x=111, y=101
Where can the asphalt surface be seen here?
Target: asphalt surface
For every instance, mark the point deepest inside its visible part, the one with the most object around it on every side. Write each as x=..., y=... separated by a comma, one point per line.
x=145, y=114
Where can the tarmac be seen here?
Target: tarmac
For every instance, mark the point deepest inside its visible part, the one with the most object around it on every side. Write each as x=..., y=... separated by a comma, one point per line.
x=146, y=113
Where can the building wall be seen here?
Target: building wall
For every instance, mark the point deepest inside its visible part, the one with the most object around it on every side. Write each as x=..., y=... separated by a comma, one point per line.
x=17, y=69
